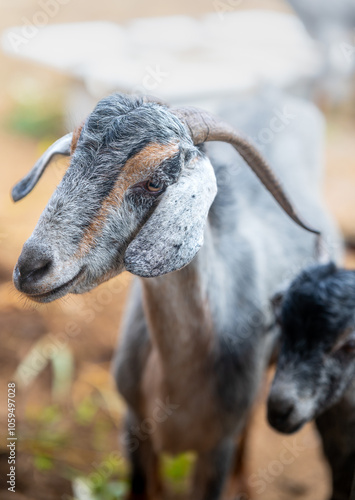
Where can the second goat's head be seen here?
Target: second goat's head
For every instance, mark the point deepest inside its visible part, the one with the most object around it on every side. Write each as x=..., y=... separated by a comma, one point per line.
x=317, y=358
x=136, y=196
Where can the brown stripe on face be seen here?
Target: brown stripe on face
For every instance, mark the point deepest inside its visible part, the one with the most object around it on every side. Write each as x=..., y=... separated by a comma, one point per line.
x=76, y=135
x=138, y=168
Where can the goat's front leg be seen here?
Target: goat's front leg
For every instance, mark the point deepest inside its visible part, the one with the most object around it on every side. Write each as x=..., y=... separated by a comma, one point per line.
x=211, y=472
x=238, y=488
x=145, y=481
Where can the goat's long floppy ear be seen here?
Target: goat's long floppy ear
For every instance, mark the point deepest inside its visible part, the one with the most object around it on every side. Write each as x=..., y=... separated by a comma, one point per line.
x=204, y=127
x=174, y=233
x=25, y=186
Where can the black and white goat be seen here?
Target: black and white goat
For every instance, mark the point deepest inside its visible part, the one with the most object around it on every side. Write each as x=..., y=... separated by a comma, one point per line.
x=315, y=376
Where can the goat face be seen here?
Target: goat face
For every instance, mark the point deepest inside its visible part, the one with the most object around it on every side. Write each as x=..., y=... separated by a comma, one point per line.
x=317, y=358
x=135, y=196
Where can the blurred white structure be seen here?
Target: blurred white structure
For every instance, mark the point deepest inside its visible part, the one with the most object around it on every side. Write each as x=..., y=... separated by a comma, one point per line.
x=332, y=24
x=176, y=58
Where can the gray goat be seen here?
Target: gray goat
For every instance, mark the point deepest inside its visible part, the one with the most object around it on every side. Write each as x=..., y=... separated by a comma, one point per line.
x=144, y=194
x=316, y=366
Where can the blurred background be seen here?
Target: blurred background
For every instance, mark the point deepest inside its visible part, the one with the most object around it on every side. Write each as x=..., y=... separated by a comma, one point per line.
x=58, y=57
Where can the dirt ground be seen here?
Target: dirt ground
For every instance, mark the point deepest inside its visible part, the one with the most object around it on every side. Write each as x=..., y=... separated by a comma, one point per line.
x=61, y=436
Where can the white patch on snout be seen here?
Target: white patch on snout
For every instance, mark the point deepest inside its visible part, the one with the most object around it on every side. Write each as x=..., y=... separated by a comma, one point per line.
x=288, y=392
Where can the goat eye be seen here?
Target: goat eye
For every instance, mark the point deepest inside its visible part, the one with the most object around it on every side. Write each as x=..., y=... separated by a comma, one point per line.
x=349, y=347
x=153, y=187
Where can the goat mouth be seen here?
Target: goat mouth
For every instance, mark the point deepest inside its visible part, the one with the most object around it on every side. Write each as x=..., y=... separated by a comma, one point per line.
x=57, y=292
x=286, y=427
x=293, y=428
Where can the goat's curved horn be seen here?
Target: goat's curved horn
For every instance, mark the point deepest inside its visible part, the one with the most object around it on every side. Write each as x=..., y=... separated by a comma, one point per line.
x=204, y=127
x=25, y=185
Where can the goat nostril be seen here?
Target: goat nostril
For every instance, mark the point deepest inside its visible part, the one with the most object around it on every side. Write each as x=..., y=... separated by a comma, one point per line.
x=34, y=270
x=279, y=409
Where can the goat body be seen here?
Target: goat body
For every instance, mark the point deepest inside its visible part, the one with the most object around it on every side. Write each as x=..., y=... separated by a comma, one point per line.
x=199, y=334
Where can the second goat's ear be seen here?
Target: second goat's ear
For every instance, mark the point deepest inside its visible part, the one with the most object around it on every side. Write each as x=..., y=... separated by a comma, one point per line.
x=174, y=233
